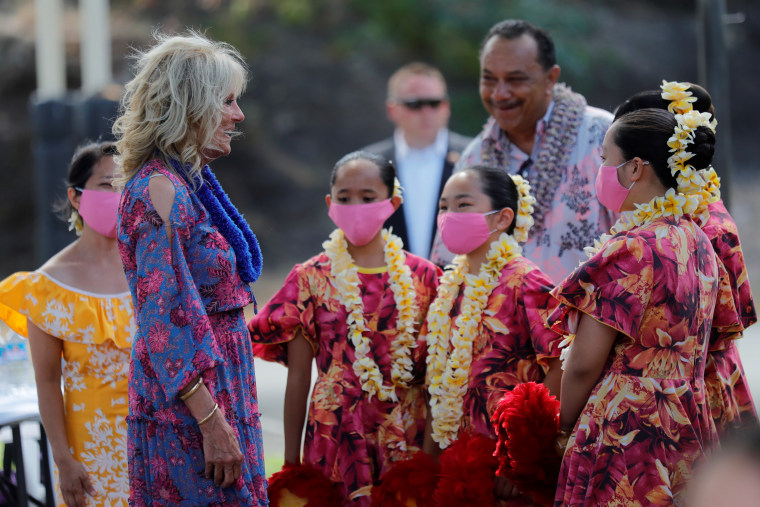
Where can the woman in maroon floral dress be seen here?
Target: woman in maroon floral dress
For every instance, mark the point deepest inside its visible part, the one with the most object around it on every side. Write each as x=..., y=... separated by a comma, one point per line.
x=356, y=308
x=728, y=391
x=485, y=332
x=638, y=315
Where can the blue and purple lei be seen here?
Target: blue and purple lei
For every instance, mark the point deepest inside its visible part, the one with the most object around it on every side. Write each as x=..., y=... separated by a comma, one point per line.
x=228, y=220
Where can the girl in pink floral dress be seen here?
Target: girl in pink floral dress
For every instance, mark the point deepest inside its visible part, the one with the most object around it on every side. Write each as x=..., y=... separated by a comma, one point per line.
x=485, y=332
x=637, y=317
x=355, y=308
x=728, y=391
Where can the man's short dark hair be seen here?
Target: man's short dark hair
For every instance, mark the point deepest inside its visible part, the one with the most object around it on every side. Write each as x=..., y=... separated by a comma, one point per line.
x=515, y=28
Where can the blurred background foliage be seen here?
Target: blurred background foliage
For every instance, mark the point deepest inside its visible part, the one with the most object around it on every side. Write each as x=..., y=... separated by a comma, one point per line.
x=318, y=84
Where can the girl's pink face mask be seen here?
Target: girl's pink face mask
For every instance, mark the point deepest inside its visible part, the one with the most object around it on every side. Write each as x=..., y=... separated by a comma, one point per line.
x=361, y=222
x=462, y=233
x=609, y=191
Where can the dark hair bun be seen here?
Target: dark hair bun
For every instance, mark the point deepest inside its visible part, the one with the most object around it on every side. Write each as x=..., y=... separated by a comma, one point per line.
x=703, y=148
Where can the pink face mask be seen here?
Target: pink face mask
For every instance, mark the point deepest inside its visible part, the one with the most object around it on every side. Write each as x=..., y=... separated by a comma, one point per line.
x=99, y=209
x=360, y=222
x=462, y=233
x=609, y=191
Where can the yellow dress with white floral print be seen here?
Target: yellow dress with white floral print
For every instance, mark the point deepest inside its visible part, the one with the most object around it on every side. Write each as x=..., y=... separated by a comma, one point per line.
x=97, y=331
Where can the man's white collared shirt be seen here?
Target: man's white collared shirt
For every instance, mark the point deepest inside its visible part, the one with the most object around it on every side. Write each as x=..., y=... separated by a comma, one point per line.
x=420, y=171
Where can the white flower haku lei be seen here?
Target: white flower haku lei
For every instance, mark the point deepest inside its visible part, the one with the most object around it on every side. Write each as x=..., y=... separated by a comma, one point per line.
x=524, y=218
x=448, y=373
x=704, y=183
x=345, y=276
x=398, y=190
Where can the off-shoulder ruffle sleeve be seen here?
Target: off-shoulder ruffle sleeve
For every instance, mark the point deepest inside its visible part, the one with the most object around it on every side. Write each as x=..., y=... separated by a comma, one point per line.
x=65, y=312
x=289, y=311
x=613, y=287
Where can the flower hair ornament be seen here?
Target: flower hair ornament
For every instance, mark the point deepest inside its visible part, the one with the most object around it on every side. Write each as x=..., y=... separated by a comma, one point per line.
x=75, y=222
x=678, y=95
x=398, y=190
x=524, y=218
x=704, y=183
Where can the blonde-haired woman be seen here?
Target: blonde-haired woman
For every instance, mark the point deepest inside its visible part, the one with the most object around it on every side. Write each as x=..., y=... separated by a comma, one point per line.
x=194, y=436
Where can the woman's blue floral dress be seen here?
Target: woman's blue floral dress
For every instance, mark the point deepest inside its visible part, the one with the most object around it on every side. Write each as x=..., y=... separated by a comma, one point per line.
x=189, y=302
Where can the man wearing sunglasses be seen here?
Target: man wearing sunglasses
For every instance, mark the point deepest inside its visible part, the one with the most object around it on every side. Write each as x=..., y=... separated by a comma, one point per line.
x=422, y=148
x=539, y=128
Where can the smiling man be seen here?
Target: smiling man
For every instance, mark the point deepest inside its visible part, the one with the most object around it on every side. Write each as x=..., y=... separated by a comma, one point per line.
x=422, y=149
x=542, y=130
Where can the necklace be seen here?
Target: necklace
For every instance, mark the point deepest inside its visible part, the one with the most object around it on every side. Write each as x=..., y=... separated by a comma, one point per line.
x=448, y=372
x=670, y=204
x=554, y=151
x=228, y=220
x=345, y=276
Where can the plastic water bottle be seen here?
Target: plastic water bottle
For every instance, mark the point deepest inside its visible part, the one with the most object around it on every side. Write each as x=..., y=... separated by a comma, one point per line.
x=16, y=370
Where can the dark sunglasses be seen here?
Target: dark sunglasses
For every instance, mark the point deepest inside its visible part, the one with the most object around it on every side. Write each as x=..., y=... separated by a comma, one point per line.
x=417, y=104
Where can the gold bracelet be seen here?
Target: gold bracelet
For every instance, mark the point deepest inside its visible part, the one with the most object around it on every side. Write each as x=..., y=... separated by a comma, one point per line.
x=216, y=407
x=193, y=390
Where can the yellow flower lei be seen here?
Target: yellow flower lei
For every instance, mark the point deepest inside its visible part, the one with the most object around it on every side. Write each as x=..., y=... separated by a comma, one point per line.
x=670, y=204
x=679, y=96
x=398, y=190
x=712, y=184
x=448, y=373
x=345, y=277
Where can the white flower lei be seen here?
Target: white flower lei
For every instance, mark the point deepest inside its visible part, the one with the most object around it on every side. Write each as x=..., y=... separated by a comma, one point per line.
x=448, y=373
x=670, y=204
x=345, y=276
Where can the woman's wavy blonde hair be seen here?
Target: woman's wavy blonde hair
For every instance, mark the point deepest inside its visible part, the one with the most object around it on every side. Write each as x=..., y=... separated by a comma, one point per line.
x=173, y=106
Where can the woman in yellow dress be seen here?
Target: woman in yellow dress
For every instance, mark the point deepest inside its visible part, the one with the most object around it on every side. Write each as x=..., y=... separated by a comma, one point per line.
x=78, y=306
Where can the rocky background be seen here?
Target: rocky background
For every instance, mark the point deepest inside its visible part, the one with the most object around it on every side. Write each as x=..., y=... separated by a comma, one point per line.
x=317, y=89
